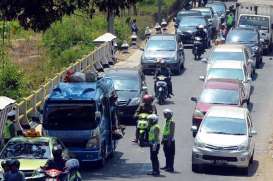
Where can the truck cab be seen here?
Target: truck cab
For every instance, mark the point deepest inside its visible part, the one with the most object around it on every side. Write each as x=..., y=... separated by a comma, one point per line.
x=82, y=115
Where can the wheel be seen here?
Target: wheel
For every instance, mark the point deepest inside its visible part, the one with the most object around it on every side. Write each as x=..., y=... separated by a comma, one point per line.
x=196, y=168
x=194, y=134
x=245, y=170
x=252, y=158
x=182, y=66
x=102, y=162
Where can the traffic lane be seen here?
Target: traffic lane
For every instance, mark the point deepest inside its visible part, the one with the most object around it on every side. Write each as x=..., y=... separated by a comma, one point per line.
x=132, y=162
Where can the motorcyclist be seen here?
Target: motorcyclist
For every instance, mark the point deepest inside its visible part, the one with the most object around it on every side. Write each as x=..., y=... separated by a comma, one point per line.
x=13, y=174
x=58, y=162
x=202, y=34
x=148, y=107
x=164, y=70
x=72, y=166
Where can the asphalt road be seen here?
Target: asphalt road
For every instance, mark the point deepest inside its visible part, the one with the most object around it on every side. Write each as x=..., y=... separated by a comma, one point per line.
x=132, y=162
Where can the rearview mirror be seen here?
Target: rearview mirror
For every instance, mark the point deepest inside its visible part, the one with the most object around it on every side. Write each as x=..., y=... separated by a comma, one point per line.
x=202, y=78
x=194, y=129
x=194, y=99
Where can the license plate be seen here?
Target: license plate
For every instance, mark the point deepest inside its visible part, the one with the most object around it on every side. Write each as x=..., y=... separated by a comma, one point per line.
x=220, y=162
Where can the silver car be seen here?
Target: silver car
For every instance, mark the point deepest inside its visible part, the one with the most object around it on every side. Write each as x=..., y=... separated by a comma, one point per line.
x=225, y=138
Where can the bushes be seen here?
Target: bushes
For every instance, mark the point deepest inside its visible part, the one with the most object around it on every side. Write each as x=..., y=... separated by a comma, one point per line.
x=12, y=82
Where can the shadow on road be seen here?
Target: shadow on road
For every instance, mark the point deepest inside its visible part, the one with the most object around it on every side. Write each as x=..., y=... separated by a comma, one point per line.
x=116, y=167
x=231, y=171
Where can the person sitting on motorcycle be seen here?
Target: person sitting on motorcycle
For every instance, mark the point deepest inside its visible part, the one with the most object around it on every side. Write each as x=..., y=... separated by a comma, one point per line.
x=72, y=167
x=13, y=174
x=58, y=162
x=202, y=34
x=164, y=70
x=148, y=107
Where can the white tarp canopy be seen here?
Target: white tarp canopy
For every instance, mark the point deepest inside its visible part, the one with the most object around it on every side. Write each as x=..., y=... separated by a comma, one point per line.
x=5, y=101
x=257, y=2
x=107, y=37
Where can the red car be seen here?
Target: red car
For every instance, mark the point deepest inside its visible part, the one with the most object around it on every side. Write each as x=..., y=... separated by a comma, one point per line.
x=217, y=92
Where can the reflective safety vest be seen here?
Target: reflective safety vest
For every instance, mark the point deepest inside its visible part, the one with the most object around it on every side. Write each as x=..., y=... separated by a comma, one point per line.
x=75, y=177
x=152, y=136
x=6, y=132
x=229, y=20
x=167, y=128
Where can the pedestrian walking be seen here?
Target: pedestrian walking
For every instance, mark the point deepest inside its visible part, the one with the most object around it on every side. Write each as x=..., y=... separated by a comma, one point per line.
x=154, y=142
x=168, y=140
x=9, y=127
x=134, y=27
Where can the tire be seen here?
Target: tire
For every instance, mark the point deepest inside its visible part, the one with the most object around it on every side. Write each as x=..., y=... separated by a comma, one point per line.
x=196, y=168
x=252, y=158
x=182, y=65
x=194, y=134
x=102, y=162
x=195, y=56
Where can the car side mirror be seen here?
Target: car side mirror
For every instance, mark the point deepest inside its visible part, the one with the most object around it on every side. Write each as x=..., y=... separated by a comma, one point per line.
x=204, y=60
x=202, y=78
x=253, y=133
x=194, y=129
x=194, y=99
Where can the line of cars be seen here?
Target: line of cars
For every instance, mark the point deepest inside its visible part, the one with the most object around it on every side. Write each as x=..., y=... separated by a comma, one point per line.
x=222, y=126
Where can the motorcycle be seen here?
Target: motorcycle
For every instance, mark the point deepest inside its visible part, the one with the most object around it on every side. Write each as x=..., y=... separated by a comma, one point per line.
x=143, y=128
x=161, y=89
x=197, y=49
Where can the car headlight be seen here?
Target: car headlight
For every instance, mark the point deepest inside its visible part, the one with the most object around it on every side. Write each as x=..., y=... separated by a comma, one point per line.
x=135, y=101
x=94, y=140
x=199, y=144
x=198, y=114
x=243, y=148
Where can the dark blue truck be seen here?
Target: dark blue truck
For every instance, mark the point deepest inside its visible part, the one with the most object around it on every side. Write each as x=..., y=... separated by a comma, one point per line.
x=83, y=115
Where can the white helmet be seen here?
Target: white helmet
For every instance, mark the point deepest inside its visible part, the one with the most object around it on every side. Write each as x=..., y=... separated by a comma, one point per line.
x=168, y=114
x=200, y=27
x=153, y=118
x=72, y=164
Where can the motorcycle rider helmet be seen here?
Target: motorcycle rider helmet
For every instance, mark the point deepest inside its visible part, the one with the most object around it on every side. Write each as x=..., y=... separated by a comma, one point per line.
x=168, y=114
x=57, y=151
x=200, y=27
x=11, y=115
x=148, y=99
x=72, y=164
x=14, y=163
x=153, y=119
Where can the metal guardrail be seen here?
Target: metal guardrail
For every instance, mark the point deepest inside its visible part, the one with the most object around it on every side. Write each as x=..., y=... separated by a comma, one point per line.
x=30, y=104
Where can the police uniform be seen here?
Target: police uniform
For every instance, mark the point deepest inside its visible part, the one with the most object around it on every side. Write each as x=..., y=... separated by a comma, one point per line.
x=154, y=147
x=9, y=130
x=169, y=144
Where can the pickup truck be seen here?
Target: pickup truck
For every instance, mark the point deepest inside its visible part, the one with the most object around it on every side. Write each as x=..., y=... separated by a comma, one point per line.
x=259, y=15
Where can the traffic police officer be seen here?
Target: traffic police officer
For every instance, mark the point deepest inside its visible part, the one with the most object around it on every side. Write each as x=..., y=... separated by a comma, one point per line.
x=9, y=127
x=154, y=143
x=168, y=140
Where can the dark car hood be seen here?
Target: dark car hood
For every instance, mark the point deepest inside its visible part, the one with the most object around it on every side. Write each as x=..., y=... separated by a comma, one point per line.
x=189, y=29
x=126, y=96
x=159, y=54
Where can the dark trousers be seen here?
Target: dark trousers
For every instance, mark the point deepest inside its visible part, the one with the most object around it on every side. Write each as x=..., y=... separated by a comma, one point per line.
x=169, y=151
x=154, y=158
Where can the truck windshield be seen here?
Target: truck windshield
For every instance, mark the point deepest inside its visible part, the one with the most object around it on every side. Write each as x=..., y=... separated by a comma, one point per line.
x=70, y=117
x=262, y=23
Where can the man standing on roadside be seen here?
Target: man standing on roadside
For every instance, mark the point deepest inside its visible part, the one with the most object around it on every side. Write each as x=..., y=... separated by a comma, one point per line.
x=168, y=140
x=9, y=127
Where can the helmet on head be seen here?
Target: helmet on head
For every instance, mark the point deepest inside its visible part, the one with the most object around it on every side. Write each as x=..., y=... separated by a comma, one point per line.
x=200, y=27
x=14, y=163
x=57, y=151
x=148, y=99
x=153, y=119
x=168, y=114
x=72, y=164
x=11, y=115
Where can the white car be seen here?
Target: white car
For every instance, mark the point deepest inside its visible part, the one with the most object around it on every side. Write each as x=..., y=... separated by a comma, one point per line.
x=211, y=17
x=232, y=52
x=232, y=70
x=225, y=138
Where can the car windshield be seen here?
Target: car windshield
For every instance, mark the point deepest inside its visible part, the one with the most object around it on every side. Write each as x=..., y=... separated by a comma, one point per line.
x=225, y=73
x=206, y=13
x=26, y=150
x=161, y=45
x=242, y=37
x=182, y=15
x=232, y=56
x=261, y=23
x=123, y=84
x=192, y=21
x=223, y=125
x=220, y=96
x=67, y=117
x=218, y=8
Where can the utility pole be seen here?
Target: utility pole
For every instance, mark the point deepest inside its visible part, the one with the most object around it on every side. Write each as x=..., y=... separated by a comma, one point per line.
x=159, y=4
